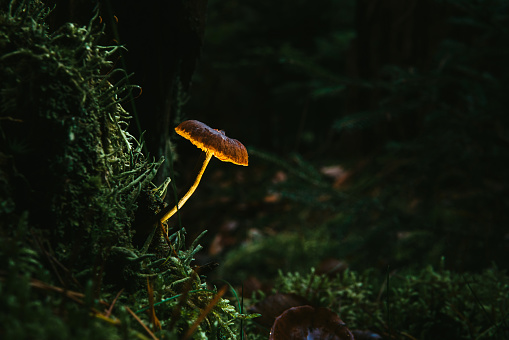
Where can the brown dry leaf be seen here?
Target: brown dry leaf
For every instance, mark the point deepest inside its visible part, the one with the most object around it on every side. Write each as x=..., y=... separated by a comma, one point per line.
x=338, y=174
x=332, y=267
x=224, y=238
x=249, y=285
x=272, y=197
x=279, y=177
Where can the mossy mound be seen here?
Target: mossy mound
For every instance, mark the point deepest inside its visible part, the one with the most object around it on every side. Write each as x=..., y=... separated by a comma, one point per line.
x=71, y=178
x=66, y=156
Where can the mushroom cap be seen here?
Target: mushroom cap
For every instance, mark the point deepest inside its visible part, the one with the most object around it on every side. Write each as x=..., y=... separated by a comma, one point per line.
x=215, y=141
x=306, y=322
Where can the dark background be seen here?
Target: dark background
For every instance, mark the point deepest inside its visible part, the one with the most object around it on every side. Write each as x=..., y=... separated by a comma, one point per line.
x=377, y=130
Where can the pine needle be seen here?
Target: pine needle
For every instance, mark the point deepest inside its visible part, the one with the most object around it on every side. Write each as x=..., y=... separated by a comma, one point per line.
x=205, y=312
x=141, y=323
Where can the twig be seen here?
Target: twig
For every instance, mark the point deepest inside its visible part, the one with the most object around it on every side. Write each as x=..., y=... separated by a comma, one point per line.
x=108, y=312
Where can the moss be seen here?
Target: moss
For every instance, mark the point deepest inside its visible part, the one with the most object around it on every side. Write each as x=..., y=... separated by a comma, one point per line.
x=70, y=191
x=419, y=304
x=264, y=255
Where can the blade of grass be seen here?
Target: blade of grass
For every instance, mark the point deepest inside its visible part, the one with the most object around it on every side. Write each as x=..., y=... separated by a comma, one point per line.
x=234, y=293
x=241, y=312
x=241, y=304
x=388, y=303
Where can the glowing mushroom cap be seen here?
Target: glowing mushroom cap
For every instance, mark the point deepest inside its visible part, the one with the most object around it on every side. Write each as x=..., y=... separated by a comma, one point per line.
x=214, y=141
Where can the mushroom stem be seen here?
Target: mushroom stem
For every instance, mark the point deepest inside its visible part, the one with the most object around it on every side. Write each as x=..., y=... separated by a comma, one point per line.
x=191, y=189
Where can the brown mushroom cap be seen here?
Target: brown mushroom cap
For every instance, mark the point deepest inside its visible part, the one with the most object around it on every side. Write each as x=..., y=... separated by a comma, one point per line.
x=214, y=141
x=306, y=322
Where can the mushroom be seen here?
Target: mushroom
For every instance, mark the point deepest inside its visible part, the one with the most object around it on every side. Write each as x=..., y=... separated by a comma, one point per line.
x=306, y=322
x=212, y=142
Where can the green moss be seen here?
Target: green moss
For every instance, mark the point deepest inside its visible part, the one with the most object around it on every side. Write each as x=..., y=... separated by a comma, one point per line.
x=70, y=189
x=290, y=250
x=419, y=304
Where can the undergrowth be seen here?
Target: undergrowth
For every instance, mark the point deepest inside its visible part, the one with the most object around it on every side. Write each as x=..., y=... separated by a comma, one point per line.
x=408, y=304
x=81, y=256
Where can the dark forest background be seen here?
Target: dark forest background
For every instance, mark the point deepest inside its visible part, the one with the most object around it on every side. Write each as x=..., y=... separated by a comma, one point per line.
x=377, y=130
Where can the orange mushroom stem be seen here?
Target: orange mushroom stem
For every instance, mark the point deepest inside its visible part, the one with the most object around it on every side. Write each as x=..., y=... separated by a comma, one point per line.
x=213, y=143
x=191, y=189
